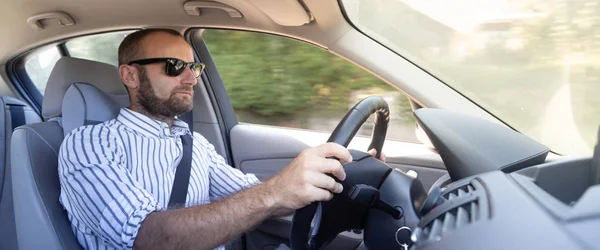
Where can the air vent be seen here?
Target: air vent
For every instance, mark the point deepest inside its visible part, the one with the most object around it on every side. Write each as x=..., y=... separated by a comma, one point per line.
x=459, y=192
x=453, y=219
x=463, y=205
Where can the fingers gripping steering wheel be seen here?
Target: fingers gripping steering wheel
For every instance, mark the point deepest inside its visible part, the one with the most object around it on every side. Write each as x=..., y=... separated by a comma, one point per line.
x=302, y=237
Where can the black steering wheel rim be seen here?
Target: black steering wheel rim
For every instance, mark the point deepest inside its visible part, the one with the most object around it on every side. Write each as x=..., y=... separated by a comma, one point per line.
x=345, y=131
x=356, y=117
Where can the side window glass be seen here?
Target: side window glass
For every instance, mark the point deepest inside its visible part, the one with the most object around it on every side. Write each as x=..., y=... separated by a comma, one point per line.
x=39, y=65
x=282, y=82
x=103, y=47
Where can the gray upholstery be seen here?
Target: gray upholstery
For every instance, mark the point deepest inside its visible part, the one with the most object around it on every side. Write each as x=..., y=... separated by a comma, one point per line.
x=69, y=70
x=41, y=221
x=6, y=130
x=84, y=104
x=7, y=220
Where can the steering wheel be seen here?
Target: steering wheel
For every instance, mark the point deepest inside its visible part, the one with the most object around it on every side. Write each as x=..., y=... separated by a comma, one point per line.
x=345, y=211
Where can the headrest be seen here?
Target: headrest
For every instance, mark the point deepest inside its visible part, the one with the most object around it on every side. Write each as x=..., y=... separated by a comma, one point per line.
x=69, y=70
x=85, y=104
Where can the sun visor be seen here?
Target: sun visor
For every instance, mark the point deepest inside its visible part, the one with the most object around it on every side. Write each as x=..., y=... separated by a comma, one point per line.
x=284, y=12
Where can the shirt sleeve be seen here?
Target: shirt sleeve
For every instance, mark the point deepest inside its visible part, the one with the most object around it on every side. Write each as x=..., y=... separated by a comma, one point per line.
x=224, y=179
x=97, y=191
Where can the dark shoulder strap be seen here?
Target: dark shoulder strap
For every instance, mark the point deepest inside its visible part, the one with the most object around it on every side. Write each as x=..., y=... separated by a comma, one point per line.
x=182, y=174
x=189, y=119
x=17, y=114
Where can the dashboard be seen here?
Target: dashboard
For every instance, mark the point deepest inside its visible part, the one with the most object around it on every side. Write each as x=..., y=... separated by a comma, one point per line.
x=554, y=205
x=504, y=194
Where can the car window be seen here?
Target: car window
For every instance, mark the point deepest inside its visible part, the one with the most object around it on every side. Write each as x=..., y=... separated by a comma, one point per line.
x=39, y=65
x=102, y=47
x=282, y=82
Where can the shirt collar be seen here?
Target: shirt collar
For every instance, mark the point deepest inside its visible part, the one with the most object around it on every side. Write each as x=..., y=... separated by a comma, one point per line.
x=150, y=127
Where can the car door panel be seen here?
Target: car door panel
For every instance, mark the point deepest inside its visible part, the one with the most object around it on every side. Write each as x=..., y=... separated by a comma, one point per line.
x=264, y=168
x=254, y=142
x=265, y=150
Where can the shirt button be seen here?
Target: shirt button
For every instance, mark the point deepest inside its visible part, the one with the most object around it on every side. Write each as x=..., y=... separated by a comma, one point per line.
x=166, y=132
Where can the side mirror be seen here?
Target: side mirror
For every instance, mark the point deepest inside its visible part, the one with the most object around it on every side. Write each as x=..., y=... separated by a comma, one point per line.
x=423, y=138
x=421, y=135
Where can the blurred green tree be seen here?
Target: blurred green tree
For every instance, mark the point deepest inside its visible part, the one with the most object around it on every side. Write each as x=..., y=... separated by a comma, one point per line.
x=274, y=76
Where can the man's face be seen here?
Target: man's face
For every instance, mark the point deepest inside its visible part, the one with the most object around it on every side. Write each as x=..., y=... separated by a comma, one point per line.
x=159, y=93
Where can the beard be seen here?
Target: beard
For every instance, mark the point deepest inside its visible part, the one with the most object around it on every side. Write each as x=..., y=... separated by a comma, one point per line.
x=161, y=107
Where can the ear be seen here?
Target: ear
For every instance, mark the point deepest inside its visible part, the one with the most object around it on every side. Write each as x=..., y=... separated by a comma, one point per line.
x=130, y=76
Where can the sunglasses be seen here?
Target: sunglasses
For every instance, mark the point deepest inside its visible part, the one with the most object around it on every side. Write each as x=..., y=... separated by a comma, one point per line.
x=174, y=66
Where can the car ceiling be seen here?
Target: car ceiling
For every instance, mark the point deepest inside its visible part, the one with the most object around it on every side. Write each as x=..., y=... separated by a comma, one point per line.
x=92, y=16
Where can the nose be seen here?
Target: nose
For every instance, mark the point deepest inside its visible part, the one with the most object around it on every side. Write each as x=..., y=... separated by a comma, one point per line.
x=189, y=77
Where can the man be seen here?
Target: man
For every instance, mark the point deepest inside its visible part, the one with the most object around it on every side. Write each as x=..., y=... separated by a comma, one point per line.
x=116, y=177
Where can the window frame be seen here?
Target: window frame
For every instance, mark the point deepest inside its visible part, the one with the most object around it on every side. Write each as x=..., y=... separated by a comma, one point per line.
x=17, y=74
x=221, y=104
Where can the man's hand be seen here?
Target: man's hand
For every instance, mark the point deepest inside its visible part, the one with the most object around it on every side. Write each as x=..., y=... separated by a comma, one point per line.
x=373, y=152
x=305, y=180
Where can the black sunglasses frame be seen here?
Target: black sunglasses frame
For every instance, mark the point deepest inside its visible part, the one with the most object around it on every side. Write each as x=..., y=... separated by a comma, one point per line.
x=170, y=65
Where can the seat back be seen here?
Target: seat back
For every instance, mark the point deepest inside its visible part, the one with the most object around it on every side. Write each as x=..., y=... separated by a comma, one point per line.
x=41, y=220
x=13, y=113
x=84, y=104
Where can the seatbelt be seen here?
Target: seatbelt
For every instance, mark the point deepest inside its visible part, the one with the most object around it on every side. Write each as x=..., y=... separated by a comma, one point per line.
x=17, y=116
x=188, y=118
x=182, y=173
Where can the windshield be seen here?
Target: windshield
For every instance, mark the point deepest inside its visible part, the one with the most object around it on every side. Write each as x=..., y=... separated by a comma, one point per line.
x=534, y=64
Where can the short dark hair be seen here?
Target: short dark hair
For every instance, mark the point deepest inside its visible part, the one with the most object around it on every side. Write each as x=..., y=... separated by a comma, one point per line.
x=130, y=48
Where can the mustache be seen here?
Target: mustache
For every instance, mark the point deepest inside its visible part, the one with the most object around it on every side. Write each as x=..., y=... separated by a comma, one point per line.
x=183, y=89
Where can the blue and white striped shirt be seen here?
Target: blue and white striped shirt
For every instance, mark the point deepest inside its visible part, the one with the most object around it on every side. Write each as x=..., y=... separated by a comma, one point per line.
x=114, y=174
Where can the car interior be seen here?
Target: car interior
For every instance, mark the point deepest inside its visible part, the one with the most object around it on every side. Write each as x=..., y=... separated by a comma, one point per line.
x=470, y=180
